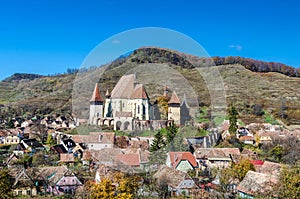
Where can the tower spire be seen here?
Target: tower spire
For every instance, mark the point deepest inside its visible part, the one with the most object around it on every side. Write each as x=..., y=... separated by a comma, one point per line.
x=96, y=95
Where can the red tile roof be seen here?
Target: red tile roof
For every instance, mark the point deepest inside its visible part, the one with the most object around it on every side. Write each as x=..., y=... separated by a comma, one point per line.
x=131, y=159
x=96, y=95
x=174, y=99
x=257, y=162
x=248, y=138
x=177, y=157
x=139, y=92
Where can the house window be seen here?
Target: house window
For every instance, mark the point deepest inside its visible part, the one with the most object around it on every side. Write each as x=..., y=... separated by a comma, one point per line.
x=138, y=109
x=19, y=193
x=28, y=192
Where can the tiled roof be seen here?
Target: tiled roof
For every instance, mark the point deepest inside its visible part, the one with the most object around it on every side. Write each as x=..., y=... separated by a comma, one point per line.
x=59, y=149
x=132, y=159
x=95, y=137
x=96, y=95
x=246, y=138
x=124, y=87
x=270, y=168
x=176, y=157
x=174, y=99
x=127, y=89
x=67, y=157
x=105, y=156
x=50, y=174
x=172, y=176
x=139, y=92
x=216, y=152
x=255, y=183
x=257, y=162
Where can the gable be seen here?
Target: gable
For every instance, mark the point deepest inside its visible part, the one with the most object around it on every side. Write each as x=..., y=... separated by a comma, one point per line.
x=184, y=165
x=69, y=181
x=187, y=184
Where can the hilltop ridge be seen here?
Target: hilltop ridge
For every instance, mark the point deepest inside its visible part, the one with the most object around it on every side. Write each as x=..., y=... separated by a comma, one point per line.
x=273, y=91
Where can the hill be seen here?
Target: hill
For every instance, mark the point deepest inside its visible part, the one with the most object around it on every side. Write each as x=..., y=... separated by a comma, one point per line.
x=254, y=93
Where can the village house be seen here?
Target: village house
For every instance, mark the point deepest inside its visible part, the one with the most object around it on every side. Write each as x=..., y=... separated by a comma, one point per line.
x=23, y=184
x=96, y=140
x=55, y=180
x=68, y=144
x=216, y=157
x=31, y=145
x=257, y=184
x=178, y=182
x=182, y=161
x=247, y=139
x=11, y=139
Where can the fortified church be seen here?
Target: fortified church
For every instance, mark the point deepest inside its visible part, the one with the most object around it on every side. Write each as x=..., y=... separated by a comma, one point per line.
x=128, y=107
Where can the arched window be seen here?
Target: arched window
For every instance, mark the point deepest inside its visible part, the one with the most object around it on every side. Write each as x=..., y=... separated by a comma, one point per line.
x=138, y=109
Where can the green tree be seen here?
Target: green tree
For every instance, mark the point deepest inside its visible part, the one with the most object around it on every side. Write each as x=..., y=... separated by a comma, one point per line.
x=232, y=114
x=171, y=132
x=158, y=149
x=158, y=142
x=50, y=140
x=277, y=152
x=5, y=184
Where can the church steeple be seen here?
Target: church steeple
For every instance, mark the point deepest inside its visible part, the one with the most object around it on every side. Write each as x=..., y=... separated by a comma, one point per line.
x=96, y=95
x=96, y=106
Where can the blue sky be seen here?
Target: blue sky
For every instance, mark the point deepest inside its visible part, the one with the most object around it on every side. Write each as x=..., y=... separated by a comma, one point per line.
x=49, y=36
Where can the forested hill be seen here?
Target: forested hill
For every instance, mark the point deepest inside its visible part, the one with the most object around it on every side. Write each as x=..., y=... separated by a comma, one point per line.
x=258, y=66
x=161, y=55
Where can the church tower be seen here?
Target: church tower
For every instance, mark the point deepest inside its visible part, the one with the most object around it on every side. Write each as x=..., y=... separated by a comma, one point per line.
x=96, y=106
x=174, y=109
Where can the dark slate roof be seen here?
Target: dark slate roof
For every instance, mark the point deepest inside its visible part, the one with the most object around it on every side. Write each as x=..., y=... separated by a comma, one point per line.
x=59, y=149
x=69, y=143
x=33, y=143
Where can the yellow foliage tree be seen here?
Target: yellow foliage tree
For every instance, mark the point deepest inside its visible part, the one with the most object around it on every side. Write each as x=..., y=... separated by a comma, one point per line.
x=103, y=190
x=162, y=102
x=242, y=167
x=121, y=187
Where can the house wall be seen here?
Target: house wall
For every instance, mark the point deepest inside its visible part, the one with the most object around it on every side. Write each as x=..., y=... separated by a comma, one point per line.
x=184, y=166
x=11, y=140
x=26, y=191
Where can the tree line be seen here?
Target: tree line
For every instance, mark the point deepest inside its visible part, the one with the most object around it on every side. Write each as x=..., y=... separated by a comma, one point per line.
x=258, y=66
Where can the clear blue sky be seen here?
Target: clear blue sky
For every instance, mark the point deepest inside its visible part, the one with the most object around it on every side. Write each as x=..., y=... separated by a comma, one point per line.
x=50, y=36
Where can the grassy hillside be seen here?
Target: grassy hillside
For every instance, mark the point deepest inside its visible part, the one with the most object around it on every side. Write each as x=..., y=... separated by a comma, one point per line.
x=253, y=93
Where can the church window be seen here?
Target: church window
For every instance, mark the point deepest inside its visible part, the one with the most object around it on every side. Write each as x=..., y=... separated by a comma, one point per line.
x=144, y=109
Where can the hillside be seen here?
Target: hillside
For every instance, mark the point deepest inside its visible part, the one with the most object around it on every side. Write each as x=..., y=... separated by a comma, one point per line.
x=252, y=92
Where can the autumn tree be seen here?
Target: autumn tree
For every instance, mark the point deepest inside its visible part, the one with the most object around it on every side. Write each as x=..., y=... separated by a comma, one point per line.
x=232, y=114
x=241, y=168
x=289, y=182
x=162, y=102
x=5, y=184
x=103, y=190
x=120, y=187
